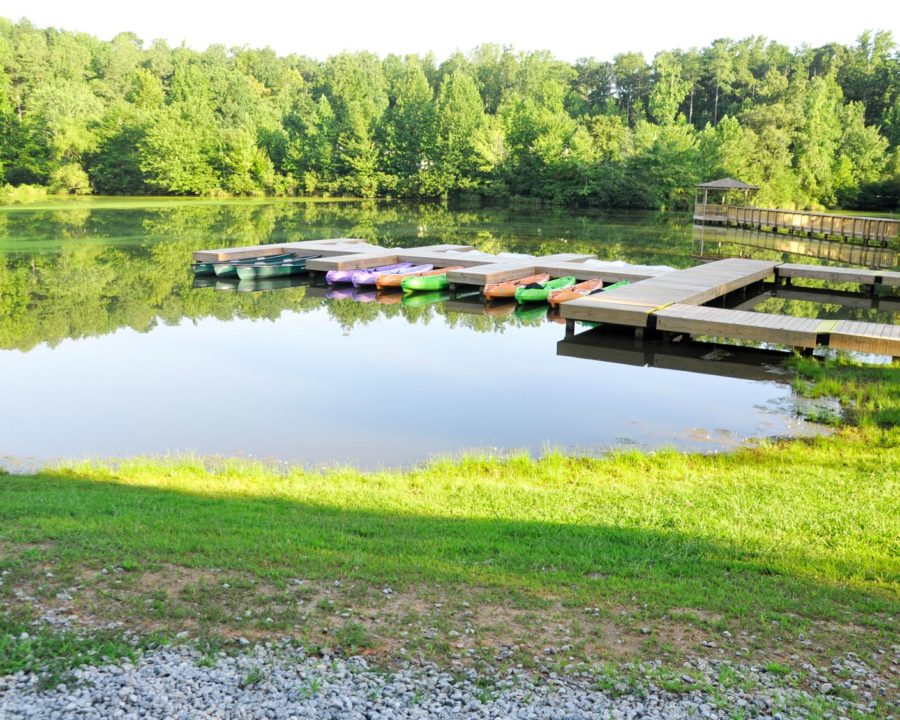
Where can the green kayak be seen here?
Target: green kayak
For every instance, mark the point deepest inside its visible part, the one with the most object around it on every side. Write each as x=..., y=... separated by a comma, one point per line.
x=540, y=292
x=263, y=270
x=425, y=283
x=425, y=298
x=203, y=268
x=228, y=269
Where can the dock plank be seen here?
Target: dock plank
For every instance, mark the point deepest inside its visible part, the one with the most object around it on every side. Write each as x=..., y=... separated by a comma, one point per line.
x=739, y=324
x=877, y=338
x=487, y=273
x=331, y=246
x=839, y=274
x=356, y=261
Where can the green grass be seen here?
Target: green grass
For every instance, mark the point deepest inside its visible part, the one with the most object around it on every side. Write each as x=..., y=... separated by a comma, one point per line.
x=785, y=540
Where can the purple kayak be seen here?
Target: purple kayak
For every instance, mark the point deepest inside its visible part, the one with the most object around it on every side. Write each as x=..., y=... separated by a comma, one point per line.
x=333, y=277
x=369, y=276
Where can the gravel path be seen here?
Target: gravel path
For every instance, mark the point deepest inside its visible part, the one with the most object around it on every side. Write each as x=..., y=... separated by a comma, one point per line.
x=275, y=681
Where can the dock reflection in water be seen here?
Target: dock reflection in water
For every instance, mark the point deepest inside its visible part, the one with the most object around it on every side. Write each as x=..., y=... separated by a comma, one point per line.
x=716, y=243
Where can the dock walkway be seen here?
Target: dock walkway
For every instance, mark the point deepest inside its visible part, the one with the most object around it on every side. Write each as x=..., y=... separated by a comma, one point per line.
x=635, y=304
x=658, y=298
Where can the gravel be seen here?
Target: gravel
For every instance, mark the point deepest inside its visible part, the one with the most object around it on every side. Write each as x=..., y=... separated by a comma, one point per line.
x=280, y=681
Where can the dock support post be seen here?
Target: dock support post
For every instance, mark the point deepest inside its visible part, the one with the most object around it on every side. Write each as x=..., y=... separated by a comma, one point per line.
x=570, y=328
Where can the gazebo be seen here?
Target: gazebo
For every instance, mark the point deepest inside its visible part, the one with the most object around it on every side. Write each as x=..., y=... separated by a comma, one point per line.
x=717, y=212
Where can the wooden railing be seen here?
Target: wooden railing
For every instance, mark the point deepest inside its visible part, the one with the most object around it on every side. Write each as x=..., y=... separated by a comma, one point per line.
x=868, y=229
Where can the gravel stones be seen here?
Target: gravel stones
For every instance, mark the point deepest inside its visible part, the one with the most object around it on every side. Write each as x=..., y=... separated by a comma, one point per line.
x=279, y=682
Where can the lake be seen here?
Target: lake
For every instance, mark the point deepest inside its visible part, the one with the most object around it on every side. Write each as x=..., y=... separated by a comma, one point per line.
x=107, y=349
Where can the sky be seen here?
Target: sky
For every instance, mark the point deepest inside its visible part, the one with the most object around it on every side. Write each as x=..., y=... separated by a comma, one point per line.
x=568, y=28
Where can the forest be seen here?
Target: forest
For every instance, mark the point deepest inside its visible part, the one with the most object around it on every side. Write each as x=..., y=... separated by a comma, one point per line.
x=813, y=127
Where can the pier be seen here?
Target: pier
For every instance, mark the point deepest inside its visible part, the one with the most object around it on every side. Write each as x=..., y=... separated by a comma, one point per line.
x=878, y=231
x=658, y=303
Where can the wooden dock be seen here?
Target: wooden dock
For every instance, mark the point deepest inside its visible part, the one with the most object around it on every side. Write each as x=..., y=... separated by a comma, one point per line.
x=636, y=304
x=879, y=231
x=658, y=300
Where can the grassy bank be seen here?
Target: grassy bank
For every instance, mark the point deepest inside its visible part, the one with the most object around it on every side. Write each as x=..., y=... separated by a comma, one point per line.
x=778, y=553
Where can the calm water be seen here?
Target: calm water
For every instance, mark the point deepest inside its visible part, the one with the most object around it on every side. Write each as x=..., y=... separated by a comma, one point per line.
x=106, y=349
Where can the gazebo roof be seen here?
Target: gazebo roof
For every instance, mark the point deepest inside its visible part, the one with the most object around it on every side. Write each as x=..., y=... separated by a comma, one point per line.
x=726, y=184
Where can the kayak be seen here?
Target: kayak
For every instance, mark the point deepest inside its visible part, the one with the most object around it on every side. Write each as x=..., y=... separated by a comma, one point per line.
x=433, y=281
x=424, y=298
x=334, y=277
x=263, y=270
x=371, y=276
x=228, y=268
x=508, y=289
x=578, y=290
x=539, y=292
x=396, y=279
x=588, y=287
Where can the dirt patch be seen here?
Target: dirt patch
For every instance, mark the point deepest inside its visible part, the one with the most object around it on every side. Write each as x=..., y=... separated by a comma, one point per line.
x=459, y=626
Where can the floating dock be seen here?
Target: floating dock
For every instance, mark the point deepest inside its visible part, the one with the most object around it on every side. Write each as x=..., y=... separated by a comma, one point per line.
x=658, y=301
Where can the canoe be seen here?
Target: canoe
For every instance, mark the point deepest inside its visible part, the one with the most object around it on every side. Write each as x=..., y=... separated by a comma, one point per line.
x=336, y=277
x=370, y=276
x=209, y=268
x=228, y=268
x=421, y=299
x=582, y=289
x=539, y=292
x=262, y=270
x=433, y=281
x=508, y=289
x=396, y=280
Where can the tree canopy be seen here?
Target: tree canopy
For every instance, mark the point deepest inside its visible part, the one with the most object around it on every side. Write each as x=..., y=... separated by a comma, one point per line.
x=812, y=127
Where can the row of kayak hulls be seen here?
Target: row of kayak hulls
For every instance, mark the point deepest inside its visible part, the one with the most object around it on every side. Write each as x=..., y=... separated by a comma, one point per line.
x=406, y=276
x=541, y=289
x=255, y=268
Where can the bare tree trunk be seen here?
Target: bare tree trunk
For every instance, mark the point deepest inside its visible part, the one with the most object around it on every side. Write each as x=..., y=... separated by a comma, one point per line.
x=716, y=108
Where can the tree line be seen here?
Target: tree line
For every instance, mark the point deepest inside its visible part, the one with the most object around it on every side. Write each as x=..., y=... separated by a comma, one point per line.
x=812, y=127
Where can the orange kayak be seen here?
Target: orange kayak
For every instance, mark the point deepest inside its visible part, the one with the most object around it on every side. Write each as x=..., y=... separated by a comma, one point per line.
x=508, y=289
x=395, y=280
x=576, y=291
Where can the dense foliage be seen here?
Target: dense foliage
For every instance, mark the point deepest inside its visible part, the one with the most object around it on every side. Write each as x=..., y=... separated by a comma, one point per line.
x=814, y=126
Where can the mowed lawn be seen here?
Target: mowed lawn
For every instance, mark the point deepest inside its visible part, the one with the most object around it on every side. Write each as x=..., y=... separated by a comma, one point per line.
x=803, y=528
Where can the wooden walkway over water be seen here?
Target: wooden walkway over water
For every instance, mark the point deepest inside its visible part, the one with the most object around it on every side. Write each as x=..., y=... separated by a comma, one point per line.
x=879, y=231
x=657, y=300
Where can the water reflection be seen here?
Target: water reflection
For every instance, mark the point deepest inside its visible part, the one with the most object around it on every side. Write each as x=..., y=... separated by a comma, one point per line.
x=716, y=243
x=109, y=345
